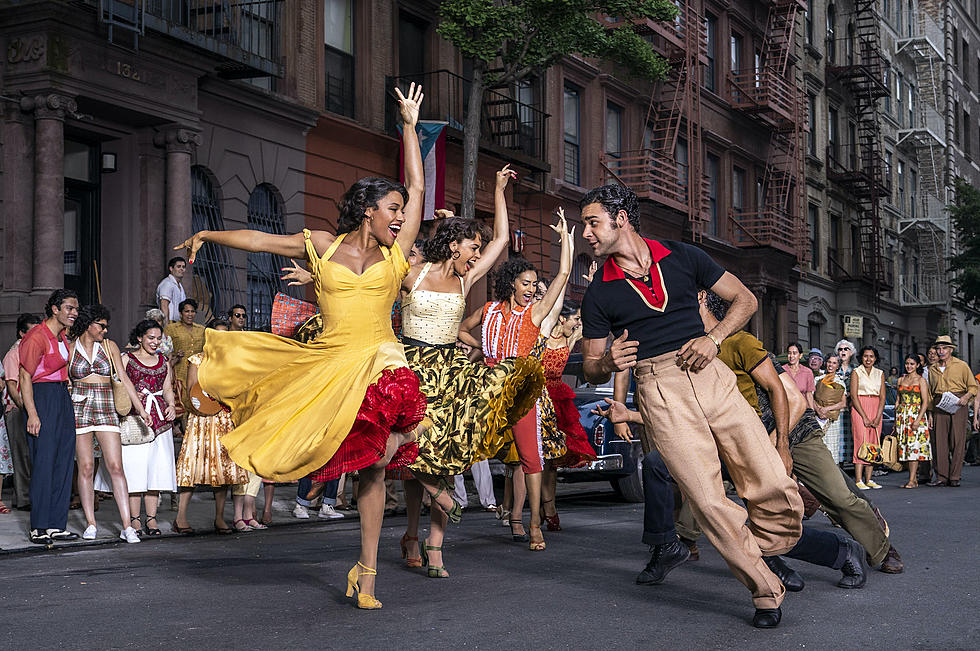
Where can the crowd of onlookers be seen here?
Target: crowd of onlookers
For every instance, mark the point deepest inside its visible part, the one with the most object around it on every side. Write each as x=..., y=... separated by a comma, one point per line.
x=929, y=399
x=86, y=416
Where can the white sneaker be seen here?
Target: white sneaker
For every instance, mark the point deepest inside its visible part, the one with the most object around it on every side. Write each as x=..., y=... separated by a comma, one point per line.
x=129, y=535
x=327, y=512
x=89, y=533
x=862, y=486
x=873, y=484
x=301, y=512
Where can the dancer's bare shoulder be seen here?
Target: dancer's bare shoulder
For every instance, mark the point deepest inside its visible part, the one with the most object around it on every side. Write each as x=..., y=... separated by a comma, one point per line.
x=322, y=241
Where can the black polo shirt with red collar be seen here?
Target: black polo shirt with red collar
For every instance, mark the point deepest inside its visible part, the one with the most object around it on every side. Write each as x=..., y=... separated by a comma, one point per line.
x=660, y=310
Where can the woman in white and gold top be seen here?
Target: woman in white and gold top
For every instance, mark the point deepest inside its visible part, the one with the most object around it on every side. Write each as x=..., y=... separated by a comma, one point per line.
x=867, y=404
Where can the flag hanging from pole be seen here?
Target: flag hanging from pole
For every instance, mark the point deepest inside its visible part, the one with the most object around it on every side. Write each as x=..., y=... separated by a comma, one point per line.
x=432, y=142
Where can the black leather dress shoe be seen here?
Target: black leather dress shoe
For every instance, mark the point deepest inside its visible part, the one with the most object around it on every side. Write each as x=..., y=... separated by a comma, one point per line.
x=664, y=558
x=39, y=537
x=791, y=578
x=954, y=483
x=767, y=617
x=855, y=568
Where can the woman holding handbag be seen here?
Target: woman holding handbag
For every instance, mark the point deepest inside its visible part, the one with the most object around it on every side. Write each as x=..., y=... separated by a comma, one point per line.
x=147, y=451
x=92, y=365
x=830, y=401
x=867, y=405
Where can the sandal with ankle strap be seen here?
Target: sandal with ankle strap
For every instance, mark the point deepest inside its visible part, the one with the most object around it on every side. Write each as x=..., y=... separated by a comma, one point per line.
x=139, y=525
x=554, y=522
x=435, y=571
x=538, y=546
x=151, y=531
x=409, y=560
x=518, y=537
x=455, y=514
x=364, y=601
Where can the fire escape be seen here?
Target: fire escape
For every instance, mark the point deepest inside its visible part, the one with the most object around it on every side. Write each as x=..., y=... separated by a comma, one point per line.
x=668, y=170
x=925, y=223
x=772, y=94
x=858, y=168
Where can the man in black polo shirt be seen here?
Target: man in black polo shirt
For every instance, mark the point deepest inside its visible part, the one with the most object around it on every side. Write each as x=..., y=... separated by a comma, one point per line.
x=646, y=295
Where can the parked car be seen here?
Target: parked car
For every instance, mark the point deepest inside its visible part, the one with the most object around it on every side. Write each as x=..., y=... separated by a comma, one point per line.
x=617, y=461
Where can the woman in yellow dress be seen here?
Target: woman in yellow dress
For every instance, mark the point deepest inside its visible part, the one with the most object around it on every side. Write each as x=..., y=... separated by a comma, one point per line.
x=346, y=399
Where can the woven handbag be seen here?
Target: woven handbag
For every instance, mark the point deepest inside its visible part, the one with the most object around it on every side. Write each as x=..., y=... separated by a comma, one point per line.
x=120, y=397
x=133, y=431
x=289, y=313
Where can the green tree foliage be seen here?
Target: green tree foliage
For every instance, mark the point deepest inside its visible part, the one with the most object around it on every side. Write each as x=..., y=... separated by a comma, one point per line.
x=529, y=35
x=508, y=40
x=965, y=214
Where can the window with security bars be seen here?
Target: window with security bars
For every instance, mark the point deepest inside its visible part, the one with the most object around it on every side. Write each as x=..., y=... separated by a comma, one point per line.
x=265, y=213
x=214, y=283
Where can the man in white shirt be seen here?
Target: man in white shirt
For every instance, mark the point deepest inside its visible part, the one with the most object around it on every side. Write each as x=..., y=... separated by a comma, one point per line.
x=170, y=292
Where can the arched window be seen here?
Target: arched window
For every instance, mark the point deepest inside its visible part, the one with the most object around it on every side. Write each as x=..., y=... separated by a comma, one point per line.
x=265, y=213
x=214, y=282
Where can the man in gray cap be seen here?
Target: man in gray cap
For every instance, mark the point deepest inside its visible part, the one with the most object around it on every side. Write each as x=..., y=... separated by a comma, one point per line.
x=815, y=361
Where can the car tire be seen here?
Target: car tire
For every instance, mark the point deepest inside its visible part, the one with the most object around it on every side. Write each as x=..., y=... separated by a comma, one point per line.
x=630, y=488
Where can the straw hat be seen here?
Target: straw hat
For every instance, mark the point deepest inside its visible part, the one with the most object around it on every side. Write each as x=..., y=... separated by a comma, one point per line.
x=944, y=340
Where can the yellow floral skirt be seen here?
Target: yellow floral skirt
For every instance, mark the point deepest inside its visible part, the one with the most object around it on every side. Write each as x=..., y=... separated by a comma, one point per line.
x=472, y=406
x=203, y=460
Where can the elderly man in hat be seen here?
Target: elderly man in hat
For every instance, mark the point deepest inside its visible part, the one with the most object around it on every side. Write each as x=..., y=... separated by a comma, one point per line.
x=815, y=361
x=949, y=375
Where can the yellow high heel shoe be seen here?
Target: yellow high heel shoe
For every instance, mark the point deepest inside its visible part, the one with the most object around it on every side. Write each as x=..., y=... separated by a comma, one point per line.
x=365, y=601
x=537, y=546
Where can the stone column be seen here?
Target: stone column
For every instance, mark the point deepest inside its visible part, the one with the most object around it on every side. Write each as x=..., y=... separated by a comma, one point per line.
x=49, y=188
x=782, y=325
x=179, y=144
x=18, y=194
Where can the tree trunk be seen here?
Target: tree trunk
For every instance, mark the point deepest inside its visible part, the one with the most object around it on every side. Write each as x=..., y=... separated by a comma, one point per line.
x=471, y=139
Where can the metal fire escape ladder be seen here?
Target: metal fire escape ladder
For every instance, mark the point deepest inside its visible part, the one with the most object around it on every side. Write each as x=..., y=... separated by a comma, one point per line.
x=864, y=177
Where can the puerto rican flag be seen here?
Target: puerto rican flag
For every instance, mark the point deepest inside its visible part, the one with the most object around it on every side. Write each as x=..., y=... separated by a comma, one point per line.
x=432, y=142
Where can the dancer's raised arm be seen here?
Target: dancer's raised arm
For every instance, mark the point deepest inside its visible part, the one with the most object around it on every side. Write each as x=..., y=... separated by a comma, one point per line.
x=543, y=307
x=290, y=246
x=414, y=173
x=501, y=229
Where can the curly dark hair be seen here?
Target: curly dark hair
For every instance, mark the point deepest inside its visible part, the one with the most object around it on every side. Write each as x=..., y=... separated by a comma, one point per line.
x=455, y=229
x=860, y=355
x=614, y=198
x=56, y=299
x=503, y=283
x=364, y=194
x=87, y=315
x=141, y=329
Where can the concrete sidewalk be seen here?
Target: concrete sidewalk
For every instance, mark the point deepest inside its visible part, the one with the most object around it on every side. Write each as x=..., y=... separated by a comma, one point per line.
x=14, y=526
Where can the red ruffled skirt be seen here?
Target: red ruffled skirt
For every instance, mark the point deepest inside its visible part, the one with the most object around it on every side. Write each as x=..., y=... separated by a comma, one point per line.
x=393, y=403
x=580, y=451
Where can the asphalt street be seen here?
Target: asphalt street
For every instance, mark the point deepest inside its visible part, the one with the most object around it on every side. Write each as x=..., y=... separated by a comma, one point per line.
x=284, y=588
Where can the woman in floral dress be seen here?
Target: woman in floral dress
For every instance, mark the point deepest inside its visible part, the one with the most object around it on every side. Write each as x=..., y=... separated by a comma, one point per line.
x=911, y=423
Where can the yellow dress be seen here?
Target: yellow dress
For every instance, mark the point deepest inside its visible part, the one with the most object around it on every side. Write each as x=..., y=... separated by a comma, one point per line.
x=294, y=403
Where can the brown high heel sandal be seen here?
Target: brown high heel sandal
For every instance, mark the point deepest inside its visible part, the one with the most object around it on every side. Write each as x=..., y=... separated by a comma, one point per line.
x=409, y=561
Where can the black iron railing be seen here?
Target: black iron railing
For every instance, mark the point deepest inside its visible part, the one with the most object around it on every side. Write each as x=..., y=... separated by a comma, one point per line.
x=506, y=123
x=245, y=32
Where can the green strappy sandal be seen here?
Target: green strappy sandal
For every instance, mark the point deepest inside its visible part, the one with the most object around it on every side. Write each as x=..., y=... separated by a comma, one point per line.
x=455, y=514
x=435, y=571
